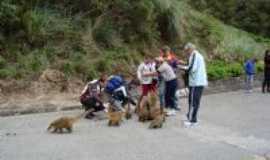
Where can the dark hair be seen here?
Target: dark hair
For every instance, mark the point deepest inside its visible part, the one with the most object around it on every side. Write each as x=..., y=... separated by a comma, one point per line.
x=103, y=77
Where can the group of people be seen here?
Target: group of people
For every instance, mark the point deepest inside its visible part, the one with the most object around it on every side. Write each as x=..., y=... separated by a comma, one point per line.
x=155, y=74
x=159, y=73
x=250, y=70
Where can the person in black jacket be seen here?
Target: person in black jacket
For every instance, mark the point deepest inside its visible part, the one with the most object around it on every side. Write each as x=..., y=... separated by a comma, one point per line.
x=266, y=82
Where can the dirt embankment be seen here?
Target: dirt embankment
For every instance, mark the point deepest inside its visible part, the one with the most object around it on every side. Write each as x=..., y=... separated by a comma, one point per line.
x=51, y=92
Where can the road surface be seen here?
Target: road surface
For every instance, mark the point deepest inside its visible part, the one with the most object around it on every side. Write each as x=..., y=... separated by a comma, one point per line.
x=233, y=126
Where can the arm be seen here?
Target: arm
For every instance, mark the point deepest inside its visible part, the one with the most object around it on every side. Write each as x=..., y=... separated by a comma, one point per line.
x=196, y=64
x=85, y=88
x=139, y=72
x=150, y=74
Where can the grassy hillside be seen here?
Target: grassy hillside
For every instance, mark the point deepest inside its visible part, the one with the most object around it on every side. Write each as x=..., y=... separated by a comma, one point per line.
x=86, y=37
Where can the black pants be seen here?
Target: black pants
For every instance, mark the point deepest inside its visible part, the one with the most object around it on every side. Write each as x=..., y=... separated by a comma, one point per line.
x=93, y=103
x=195, y=94
x=170, y=89
x=266, y=81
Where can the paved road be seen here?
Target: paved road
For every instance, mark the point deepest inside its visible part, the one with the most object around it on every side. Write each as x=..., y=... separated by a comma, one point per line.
x=233, y=126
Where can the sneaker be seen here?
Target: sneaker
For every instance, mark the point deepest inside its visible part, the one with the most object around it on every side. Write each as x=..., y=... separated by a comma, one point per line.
x=194, y=124
x=177, y=109
x=248, y=91
x=90, y=115
x=171, y=112
x=187, y=124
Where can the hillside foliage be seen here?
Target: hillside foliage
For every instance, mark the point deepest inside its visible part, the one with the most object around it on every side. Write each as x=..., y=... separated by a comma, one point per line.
x=86, y=37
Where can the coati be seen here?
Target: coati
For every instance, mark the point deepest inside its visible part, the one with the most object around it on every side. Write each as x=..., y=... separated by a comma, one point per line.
x=149, y=108
x=158, y=121
x=115, y=117
x=143, y=109
x=64, y=123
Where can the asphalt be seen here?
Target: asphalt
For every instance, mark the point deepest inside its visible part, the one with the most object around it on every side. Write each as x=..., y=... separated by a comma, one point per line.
x=233, y=126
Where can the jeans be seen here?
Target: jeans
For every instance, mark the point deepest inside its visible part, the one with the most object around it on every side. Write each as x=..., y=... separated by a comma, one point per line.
x=161, y=92
x=195, y=94
x=170, y=90
x=249, y=82
x=93, y=103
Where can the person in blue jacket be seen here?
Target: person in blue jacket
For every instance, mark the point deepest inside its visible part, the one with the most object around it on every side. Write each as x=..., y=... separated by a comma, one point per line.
x=250, y=70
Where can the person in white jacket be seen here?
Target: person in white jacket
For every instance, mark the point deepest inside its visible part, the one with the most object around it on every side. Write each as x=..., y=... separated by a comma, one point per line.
x=197, y=80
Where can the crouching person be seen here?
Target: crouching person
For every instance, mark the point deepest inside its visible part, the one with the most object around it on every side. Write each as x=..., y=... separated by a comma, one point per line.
x=91, y=97
x=116, y=89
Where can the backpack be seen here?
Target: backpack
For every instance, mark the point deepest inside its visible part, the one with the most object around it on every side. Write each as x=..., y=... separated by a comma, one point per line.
x=114, y=83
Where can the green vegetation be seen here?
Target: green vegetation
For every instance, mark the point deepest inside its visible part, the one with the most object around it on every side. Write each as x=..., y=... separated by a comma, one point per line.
x=86, y=37
x=250, y=15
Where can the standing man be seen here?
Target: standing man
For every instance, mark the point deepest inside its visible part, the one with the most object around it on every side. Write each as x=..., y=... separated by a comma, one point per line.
x=250, y=70
x=197, y=80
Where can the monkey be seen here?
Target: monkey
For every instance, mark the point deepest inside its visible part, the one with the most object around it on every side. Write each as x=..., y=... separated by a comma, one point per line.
x=64, y=123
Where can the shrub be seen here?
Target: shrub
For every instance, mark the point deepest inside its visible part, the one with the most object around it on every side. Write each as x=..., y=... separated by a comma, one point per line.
x=8, y=72
x=235, y=69
x=3, y=62
x=221, y=70
x=260, y=66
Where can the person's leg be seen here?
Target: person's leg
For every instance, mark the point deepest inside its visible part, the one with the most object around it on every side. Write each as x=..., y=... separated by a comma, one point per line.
x=268, y=85
x=251, y=82
x=196, y=105
x=144, y=93
x=248, y=82
x=167, y=98
x=264, y=84
x=170, y=93
x=173, y=96
x=89, y=105
x=161, y=91
x=190, y=102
